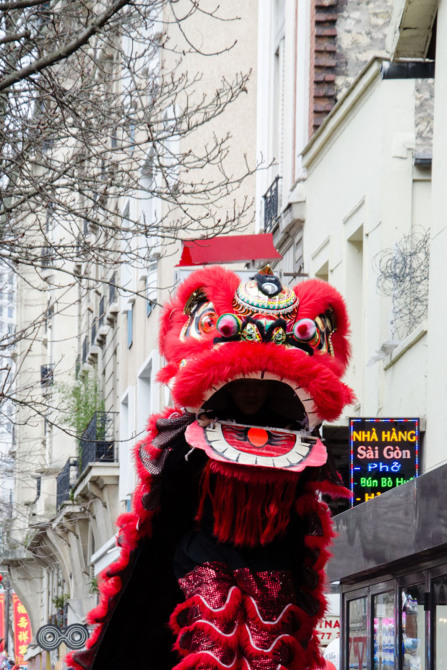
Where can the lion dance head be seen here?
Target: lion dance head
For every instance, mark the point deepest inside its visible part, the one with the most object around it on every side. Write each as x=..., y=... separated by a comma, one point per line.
x=283, y=350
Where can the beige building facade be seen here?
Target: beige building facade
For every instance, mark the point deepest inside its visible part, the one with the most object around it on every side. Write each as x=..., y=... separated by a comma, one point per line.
x=99, y=335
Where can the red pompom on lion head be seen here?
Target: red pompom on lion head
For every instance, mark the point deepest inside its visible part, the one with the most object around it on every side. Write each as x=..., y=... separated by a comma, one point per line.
x=287, y=345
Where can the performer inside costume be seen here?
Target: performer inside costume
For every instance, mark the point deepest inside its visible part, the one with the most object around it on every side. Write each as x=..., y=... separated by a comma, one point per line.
x=223, y=556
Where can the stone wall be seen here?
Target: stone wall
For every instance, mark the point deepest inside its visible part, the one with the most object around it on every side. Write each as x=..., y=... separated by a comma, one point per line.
x=361, y=32
x=424, y=102
x=346, y=35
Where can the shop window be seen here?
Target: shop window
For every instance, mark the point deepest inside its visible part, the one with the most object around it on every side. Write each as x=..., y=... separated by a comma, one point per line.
x=384, y=617
x=399, y=624
x=357, y=633
x=413, y=627
x=439, y=591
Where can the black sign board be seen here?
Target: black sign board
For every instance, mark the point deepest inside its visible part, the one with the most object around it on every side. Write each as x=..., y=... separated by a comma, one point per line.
x=384, y=454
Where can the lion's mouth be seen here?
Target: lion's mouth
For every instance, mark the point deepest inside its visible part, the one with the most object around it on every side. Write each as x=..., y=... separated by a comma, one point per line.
x=271, y=426
x=282, y=404
x=257, y=446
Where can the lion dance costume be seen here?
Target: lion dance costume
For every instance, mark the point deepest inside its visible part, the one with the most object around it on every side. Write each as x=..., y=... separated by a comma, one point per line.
x=222, y=558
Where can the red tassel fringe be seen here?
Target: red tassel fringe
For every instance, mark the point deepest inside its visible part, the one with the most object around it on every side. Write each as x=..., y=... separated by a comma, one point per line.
x=249, y=508
x=203, y=660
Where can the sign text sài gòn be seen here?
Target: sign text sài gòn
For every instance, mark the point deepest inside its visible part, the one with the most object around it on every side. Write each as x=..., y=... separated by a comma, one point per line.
x=384, y=454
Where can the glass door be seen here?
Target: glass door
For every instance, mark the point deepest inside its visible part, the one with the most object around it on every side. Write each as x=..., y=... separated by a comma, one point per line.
x=439, y=622
x=384, y=631
x=413, y=626
x=357, y=633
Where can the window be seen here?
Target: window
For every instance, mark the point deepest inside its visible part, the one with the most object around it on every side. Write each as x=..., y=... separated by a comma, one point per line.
x=84, y=349
x=101, y=312
x=151, y=286
x=323, y=272
x=130, y=327
x=127, y=440
x=147, y=396
x=49, y=220
x=131, y=136
x=112, y=289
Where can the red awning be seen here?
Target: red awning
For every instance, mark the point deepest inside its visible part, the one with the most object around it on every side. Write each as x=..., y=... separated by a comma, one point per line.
x=228, y=249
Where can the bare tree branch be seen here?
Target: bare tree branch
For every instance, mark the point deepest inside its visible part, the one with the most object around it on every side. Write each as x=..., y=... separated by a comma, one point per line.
x=66, y=51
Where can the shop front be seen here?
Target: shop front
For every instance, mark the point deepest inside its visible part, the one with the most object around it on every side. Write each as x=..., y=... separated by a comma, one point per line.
x=390, y=559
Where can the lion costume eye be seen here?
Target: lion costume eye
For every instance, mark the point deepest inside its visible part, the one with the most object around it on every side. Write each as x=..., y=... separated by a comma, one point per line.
x=202, y=321
x=207, y=322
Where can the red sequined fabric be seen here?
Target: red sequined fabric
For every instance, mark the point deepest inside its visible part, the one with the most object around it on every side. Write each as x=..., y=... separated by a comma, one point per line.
x=272, y=590
x=212, y=581
x=237, y=619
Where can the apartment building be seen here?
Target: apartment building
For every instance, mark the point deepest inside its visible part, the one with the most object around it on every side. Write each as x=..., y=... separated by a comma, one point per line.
x=90, y=361
x=357, y=199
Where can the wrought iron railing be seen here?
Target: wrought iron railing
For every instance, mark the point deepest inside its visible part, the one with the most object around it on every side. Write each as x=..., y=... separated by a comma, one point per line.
x=97, y=441
x=271, y=203
x=65, y=480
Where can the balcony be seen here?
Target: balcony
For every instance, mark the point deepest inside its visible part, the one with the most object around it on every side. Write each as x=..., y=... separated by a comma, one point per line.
x=65, y=480
x=97, y=442
x=271, y=203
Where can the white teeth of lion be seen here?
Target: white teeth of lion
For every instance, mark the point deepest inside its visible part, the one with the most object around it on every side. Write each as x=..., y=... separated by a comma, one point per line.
x=230, y=453
x=294, y=458
x=302, y=449
x=247, y=459
x=281, y=462
x=218, y=446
